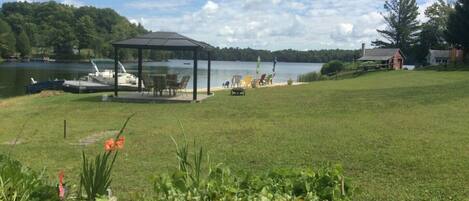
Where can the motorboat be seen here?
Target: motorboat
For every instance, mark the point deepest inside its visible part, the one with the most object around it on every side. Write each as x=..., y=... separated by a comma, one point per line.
x=106, y=76
x=98, y=81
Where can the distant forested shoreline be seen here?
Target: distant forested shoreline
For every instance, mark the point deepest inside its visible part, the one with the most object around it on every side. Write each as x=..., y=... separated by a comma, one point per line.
x=64, y=32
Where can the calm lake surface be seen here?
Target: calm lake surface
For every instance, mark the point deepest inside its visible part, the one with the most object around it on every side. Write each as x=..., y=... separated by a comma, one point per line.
x=15, y=76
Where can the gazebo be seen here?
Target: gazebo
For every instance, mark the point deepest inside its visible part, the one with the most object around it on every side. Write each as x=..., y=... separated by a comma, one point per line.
x=162, y=41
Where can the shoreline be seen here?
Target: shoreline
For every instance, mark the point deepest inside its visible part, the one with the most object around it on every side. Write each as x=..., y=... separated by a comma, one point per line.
x=200, y=90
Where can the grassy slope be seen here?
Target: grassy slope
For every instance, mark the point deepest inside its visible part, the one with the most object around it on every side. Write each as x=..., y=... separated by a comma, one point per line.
x=399, y=135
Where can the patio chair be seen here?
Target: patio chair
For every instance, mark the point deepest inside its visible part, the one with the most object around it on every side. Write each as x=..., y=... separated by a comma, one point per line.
x=148, y=83
x=160, y=84
x=247, y=81
x=172, y=83
x=236, y=81
x=262, y=80
x=183, y=84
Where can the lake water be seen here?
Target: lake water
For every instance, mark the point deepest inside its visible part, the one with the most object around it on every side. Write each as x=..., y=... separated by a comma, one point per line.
x=15, y=76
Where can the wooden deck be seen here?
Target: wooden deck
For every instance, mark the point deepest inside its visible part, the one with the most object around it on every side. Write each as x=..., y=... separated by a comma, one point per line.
x=136, y=97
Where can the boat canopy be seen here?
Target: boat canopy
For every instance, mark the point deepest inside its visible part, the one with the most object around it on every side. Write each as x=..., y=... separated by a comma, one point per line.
x=105, y=64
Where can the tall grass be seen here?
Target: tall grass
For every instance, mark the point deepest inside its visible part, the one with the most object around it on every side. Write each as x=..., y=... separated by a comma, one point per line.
x=310, y=77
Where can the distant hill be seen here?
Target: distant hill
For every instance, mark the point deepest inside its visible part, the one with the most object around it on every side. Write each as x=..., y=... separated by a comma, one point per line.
x=52, y=28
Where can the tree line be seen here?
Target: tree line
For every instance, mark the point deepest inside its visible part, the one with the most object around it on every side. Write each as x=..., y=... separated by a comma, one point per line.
x=446, y=27
x=289, y=55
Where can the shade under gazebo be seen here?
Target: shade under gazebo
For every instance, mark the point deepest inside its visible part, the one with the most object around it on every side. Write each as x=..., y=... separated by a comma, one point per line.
x=162, y=41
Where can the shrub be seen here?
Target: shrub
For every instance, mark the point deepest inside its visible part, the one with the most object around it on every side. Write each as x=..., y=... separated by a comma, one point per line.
x=21, y=183
x=310, y=77
x=447, y=67
x=191, y=181
x=332, y=67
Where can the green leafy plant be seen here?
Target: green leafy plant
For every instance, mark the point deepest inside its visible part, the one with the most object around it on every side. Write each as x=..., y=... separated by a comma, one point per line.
x=195, y=180
x=19, y=183
x=95, y=178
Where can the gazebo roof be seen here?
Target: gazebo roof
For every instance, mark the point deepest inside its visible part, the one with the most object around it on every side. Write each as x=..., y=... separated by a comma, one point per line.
x=163, y=41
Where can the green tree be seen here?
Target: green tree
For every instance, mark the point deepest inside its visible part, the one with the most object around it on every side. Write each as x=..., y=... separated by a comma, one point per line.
x=7, y=39
x=458, y=25
x=432, y=35
x=22, y=44
x=63, y=40
x=437, y=15
x=86, y=32
x=402, y=24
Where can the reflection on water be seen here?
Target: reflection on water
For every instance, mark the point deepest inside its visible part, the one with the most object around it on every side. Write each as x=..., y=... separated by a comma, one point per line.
x=14, y=76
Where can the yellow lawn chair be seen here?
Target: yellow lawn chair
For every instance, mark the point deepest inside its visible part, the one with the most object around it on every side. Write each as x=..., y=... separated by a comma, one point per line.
x=246, y=82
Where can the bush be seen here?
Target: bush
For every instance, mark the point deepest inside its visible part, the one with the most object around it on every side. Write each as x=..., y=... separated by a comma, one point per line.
x=20, y=183
x=310, y=77
x=332, y=68
x=191, y=181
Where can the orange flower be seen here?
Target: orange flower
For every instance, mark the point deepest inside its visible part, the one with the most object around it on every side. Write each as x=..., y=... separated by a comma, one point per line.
x=112, y=145
x=61, y=186
x=120, y=143
x=109, y=145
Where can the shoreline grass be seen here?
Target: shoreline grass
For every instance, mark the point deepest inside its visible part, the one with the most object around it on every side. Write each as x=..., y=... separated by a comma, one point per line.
x=399, y=135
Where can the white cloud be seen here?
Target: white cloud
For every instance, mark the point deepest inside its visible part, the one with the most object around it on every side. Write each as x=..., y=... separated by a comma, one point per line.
x=277, y=24
x=210, y=7
x=422, y=9
x=75, y=3
x=157, y=4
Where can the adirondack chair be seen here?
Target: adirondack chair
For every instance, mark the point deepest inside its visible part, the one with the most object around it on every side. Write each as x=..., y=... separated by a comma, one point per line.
x=269, y=79
x=236, y=81
x=262, y=80
x=247, y=81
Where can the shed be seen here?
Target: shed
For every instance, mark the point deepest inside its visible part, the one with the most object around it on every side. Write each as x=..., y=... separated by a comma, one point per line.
x=436, y=57
x=163, y=41
x=389, y=57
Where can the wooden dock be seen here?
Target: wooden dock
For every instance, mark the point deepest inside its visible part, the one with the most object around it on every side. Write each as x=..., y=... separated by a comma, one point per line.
x=78, y=86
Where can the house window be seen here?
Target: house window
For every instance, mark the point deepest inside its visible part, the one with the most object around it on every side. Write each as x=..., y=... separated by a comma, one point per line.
x=441, y=60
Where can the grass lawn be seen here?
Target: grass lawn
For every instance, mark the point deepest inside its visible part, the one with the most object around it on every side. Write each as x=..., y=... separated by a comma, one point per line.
x=399, y=135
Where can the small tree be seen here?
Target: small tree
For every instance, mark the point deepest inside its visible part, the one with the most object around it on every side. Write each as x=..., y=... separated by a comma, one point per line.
x=22, y=44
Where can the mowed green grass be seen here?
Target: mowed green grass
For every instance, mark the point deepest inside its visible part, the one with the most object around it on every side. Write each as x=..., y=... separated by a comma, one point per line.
x=399, y=135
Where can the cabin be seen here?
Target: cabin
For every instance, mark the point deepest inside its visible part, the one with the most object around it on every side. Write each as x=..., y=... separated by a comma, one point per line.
x=392, y=58
x=443, y=57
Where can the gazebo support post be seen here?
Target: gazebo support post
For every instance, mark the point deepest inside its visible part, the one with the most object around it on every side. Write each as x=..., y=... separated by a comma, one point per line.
x=116, y=73
x=209, y=66
x=194, y=91
x=140, y=61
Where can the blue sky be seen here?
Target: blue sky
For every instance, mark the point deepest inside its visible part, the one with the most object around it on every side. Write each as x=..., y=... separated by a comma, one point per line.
x=260, y=24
